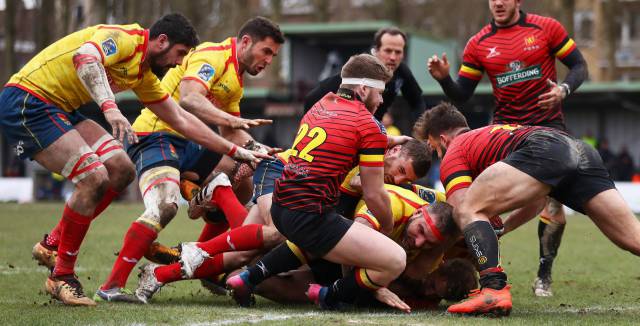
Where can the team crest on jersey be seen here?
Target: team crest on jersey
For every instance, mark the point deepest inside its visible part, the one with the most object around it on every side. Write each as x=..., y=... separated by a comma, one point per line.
x=518, y=73
x=109, y=47
x=427, y=195
x=206, y=72
x=530, y=43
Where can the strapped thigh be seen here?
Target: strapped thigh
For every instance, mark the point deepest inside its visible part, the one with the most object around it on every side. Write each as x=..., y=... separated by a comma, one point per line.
x=81, y=164
x=106, y=147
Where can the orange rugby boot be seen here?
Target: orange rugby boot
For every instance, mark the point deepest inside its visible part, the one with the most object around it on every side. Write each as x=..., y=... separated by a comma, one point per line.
x=485, y=302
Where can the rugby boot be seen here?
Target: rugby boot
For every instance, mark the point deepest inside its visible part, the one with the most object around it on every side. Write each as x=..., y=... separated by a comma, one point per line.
x=44, y=254
x=486, y=301
x=215, y=285
x=148, y=284
x=203, y=200
x=542, y=287
x=161, y=254
x=115, y=295
x=241, y=290
x=68, y=289
x=191, y=257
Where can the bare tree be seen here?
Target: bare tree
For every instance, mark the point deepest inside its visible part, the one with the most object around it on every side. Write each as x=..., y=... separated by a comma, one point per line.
x=45, y=32
x=10, y=64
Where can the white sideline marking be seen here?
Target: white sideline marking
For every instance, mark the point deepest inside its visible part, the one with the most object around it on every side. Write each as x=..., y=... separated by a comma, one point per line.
x=256, y=319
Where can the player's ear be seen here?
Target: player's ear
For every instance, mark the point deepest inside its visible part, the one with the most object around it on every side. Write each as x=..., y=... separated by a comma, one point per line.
x=163, y=42
x=246, y=41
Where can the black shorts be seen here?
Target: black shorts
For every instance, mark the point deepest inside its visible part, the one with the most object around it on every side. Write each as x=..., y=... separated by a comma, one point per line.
x=571, y=167
x=314, y=233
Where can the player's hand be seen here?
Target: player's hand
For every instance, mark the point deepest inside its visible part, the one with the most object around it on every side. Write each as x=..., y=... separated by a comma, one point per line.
x=356, y=183
x=553, y=97
x=389, y=298
x=438, y=68
x=242, y=154
x=120, y=126
x=397, y=140
x=241, y=123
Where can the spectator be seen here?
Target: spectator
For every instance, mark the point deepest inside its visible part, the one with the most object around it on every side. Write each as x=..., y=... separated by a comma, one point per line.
x=624, y=165
x=608, y=158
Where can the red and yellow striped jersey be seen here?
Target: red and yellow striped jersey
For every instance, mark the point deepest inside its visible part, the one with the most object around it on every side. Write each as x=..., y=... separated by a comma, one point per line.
x=337, y=134
x=518, y=60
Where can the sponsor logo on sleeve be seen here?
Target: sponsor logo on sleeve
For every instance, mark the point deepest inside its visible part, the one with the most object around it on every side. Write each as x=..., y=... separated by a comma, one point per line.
x=109, y=47
x=206, y=72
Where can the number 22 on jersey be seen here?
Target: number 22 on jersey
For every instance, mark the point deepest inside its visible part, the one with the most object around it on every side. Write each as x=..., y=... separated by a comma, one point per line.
x=318, y=137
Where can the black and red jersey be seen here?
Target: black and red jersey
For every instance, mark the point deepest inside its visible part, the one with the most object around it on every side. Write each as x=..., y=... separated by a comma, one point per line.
x=518, y=60
x=473, y=151
x=337, y=134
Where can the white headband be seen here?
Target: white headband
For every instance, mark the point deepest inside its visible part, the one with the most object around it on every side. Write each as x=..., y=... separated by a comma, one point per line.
x=379, y=84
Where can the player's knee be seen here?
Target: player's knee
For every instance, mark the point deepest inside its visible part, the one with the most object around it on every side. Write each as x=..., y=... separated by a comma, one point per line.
x=122, y=174
x=167, y=211
x=397, y=262
x=94, y=185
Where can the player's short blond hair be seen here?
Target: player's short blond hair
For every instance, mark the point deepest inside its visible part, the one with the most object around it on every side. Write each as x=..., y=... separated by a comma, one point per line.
x=365, y=66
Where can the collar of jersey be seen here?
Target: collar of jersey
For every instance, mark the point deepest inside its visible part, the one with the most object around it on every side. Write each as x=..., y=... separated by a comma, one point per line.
x=348, y=94
x=521, y=21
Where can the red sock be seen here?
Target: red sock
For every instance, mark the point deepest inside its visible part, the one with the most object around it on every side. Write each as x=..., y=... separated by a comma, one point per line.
x=73, y=228
x=246, y=237
x=109, y=195
x=168, y=273
x=211, y=230
x=227, y=201
x=171, y=273
x=210, y=268
x=53, y=239
x=136, y=242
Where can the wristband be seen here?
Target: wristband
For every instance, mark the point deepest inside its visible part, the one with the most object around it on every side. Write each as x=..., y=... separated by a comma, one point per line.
x=108, y=105
x=232, y=151
x=566, y=88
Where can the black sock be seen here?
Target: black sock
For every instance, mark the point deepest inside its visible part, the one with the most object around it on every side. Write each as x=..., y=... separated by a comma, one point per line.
x=347, y=289
x=550, y=236
x=483, y=245
x=279, y=260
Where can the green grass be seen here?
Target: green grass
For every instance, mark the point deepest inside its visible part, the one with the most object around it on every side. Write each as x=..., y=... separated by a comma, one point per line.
x=595, y=282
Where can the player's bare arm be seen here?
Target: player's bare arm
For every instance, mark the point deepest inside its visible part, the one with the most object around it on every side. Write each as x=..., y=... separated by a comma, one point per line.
x=91, y=73
x=376, y=197
x=194, y=129
x=193, y=99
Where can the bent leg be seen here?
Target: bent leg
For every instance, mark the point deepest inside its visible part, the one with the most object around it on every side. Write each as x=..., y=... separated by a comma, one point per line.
x=614, y=218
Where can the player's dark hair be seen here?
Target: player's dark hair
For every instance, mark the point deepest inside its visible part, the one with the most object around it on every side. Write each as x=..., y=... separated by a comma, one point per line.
x=259, y=28
x=177, y=28
x=444, y=221
x=461, y=278
x=420, y=154
x=392, y=30
x=365, y=66
x=438, y=120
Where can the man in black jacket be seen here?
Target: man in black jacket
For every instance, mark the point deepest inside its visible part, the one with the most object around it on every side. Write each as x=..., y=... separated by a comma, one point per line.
x=389, y=48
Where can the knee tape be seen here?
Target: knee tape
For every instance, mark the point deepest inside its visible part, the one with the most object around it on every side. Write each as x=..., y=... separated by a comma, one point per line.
x=106, y=147
x=81, y=164
x=160, y=193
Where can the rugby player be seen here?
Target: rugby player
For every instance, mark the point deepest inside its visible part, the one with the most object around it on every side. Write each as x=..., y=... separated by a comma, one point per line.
x=40, y=120
x=517, y=165
x=336, y=134
x=208, y=83
x=389, y=46
x=518, y=51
